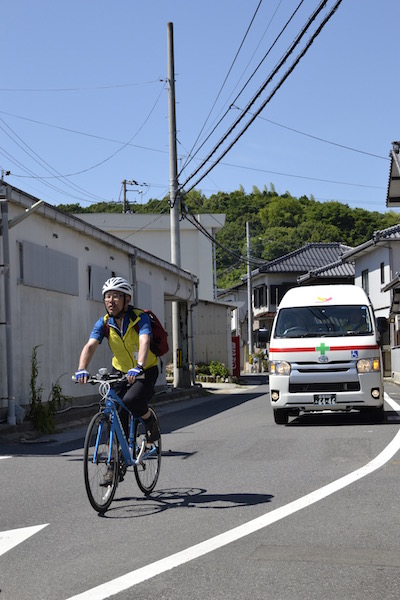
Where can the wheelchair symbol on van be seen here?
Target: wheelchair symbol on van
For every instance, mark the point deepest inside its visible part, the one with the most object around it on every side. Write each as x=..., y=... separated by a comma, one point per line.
x=354, y=353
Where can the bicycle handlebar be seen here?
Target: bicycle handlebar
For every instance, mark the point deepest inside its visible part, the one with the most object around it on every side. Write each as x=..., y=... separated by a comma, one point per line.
x=101, y=377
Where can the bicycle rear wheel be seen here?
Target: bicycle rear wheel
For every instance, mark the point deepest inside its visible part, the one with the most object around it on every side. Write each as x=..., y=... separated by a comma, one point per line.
x=148, y=468
x=100, y=463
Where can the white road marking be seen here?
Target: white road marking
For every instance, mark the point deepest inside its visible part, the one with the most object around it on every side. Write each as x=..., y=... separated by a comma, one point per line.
x=4, y=457
x=13, y=537
x=127, y=581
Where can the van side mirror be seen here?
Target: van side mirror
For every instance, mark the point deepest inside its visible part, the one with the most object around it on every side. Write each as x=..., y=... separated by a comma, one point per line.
x=382, y=324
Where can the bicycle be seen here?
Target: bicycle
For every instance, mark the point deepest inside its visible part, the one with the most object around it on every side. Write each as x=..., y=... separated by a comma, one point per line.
x=108, y=454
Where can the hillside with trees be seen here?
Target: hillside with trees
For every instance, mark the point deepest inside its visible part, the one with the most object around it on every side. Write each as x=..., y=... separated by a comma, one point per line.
x=278, y=224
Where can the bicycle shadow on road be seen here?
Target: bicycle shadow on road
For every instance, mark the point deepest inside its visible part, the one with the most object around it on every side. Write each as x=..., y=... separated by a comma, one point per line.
x=167, y=499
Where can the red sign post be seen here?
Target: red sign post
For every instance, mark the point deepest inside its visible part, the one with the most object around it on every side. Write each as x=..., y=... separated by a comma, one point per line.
x=235, y=356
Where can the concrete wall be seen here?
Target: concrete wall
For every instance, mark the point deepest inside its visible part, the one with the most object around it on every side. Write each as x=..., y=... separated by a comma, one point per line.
x=58, y=323
x=212, y=333
x=151, y=232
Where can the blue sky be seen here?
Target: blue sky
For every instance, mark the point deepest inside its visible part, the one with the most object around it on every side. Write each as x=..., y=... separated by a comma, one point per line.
x=84, y=98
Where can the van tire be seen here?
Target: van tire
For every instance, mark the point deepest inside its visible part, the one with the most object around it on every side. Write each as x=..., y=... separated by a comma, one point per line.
x=377, y=413
x=281, y=416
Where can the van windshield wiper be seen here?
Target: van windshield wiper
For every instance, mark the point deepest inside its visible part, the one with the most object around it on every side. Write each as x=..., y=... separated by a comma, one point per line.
x=352, y=333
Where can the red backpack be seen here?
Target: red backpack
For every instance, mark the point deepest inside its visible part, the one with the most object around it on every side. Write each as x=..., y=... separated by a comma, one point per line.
x=159, y=343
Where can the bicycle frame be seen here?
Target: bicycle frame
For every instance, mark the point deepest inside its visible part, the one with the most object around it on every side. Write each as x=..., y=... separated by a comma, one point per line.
x=111, y=400
x=108, y=452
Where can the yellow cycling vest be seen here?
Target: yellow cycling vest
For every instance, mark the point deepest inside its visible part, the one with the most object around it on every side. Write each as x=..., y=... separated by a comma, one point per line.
x=125, y=349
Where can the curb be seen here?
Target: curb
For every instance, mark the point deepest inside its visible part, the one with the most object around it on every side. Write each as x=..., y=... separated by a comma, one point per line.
x=79, y=415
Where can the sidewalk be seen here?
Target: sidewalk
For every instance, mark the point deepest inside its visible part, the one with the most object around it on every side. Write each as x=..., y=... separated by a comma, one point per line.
x=80, y=414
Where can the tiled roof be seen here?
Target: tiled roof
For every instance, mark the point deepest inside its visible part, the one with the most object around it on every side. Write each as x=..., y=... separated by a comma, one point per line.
x=335, y=270
x=393, y=189
x=310, y=257
x=391, y=233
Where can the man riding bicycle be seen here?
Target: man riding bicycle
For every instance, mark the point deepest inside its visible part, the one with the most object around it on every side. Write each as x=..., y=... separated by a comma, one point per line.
x=129, y=333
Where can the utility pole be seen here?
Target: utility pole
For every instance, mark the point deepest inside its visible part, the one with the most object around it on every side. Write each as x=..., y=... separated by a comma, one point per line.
x=174, y=210
x=124, y=200
x=124, y=196
x=214, y=254
x=249, y=294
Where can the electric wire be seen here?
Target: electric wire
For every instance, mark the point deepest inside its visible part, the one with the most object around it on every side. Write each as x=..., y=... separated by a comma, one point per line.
x=92, y=135
x=43, y=163
x=314, y=137
x=194, y=221
x=248, y=80
x=265, y=102
x=226, y=78
x=124, y=145
x=80, y=89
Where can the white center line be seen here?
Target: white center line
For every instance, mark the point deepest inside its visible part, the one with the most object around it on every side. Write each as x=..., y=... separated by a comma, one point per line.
x=127, y=581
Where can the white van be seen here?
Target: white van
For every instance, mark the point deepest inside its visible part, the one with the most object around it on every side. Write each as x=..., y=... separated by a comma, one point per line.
x=324, y=353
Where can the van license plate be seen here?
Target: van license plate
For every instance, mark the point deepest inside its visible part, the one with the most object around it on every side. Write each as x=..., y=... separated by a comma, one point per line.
x=324, y=399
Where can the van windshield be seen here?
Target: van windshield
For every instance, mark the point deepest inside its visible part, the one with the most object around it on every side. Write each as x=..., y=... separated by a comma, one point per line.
x=321, y=321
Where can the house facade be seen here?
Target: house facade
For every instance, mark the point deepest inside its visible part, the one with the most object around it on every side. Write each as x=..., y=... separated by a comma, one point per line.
x=377, y=268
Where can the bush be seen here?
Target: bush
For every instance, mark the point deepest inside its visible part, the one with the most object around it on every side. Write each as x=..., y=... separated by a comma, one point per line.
x=43, y=415
x=202, y=369
x=218, y=369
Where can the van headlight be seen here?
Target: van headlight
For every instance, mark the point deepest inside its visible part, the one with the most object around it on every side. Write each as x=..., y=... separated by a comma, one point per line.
x=368, y=365
x=279, y=367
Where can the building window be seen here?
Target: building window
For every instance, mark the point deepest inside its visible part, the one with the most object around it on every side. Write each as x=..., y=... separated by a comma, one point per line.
x=260, y=296
x=42, y=267
x=96, y=278
x=276, y=292
x=382, y=273
x=365, y=281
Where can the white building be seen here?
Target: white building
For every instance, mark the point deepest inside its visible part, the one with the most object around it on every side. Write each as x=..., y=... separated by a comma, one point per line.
x=152, y=232
x=52, y=269
x=377, y=266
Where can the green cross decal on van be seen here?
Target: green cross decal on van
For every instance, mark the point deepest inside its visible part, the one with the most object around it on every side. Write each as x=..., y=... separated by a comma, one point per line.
x=321, y=348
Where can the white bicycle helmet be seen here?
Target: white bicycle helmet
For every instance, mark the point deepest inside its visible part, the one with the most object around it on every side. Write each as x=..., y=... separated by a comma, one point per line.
x=117, y=284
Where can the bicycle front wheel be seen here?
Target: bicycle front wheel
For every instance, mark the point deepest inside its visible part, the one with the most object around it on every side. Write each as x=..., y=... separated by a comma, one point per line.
x=148, y=457
x=100, y=463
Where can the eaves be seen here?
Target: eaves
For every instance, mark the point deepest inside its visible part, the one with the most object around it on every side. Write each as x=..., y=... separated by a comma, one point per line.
x=52, y=213
x=379, y=239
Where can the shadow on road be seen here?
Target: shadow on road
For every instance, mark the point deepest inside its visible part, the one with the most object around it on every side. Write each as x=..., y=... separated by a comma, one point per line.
x=168, y=499
x=73, y=439
x=338, y=419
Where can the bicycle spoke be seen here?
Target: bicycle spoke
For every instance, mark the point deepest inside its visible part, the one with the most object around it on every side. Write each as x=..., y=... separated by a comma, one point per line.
x=148, y=457
x=100, y=463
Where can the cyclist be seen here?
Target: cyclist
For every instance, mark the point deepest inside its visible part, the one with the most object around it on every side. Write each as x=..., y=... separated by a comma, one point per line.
x=129, y=334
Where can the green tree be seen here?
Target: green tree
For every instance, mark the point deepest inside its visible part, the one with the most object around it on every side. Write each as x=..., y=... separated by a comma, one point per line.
x=279, y=224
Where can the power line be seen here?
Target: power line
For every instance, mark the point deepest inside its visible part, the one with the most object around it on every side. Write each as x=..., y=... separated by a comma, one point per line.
x=280, y=83
x=246, y=84
x=314, y=137
x=119, y=149
x=255, y=97
x=225, y=80
x=80, y=89
x=98, y=137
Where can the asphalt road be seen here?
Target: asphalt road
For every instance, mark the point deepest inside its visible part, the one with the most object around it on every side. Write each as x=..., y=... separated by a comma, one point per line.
x=243, y=509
